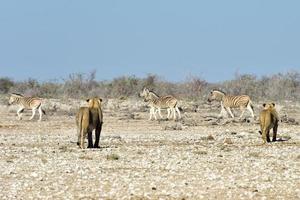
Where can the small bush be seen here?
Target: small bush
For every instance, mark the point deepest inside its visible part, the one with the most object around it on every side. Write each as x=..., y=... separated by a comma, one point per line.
x=5, y=85
x=124, y=86
x=112, y=157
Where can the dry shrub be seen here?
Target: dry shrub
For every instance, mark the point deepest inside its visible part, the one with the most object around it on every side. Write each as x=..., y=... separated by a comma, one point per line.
x=124, y=86
x=79, y=85
x=29, y=87
x=5, y=85
x=113, y=157
x=275, y=87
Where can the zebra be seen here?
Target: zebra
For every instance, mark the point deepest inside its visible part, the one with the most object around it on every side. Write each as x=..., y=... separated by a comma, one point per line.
x=33, y=103
x=157, y=103
x=228, y=101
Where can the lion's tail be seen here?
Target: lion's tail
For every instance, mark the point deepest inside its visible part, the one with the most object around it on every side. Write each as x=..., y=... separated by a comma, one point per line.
x=80, y=131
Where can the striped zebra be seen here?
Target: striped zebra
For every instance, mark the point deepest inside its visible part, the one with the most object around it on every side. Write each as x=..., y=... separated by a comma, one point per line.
x=228, y=101
x=33, y=103
x=157, y=103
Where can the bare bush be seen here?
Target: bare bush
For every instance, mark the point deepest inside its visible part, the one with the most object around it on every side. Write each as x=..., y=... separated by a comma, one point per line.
x=275, y=87
x=193, y=88
x=124, y=86
x=150, y=81
x=5, y=85
x=29, y=87
x=79, y=85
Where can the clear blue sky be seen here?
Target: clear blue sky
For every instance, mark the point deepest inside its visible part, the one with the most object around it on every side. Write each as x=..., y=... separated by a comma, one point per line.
x=174, y=39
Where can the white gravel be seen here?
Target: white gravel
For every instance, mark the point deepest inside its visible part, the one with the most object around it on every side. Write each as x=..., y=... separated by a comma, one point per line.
x=141, y=159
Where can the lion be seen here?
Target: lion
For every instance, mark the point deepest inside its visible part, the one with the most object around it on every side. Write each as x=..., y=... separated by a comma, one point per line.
x=88, y=119
x=268, y=120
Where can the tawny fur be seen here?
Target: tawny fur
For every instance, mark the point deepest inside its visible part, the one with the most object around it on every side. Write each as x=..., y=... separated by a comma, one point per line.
x=88, y=119
x=268, y=120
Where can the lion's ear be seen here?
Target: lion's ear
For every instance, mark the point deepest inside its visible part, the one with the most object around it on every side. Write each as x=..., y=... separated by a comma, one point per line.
x=264, y=105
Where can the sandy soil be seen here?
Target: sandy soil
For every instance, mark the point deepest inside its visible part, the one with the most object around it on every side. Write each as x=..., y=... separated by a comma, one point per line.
x=194, y=158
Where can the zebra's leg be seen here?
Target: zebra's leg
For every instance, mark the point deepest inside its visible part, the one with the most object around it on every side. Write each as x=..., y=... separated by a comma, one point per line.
x=33, y=113
x=154, y=113
x=221, y=113
x=243, y=111
x=19, y=113
x=222, y=110
x=159, y=112
x=250, y=110
x=168, y=110
x=174, y=113
x=41, y=113
x=150, y=116
x=229, y=111
x=178, y=111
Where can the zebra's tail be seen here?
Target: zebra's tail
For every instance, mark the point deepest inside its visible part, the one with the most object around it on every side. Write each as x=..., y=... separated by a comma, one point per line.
x=179, y=107
x=40, y=107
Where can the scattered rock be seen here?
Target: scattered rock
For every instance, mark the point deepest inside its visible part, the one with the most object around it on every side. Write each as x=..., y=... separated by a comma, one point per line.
x=209, y=137
x=288, y=120
x=113, y=157
x=227, y=141
x=176, y=126
x=201, y=152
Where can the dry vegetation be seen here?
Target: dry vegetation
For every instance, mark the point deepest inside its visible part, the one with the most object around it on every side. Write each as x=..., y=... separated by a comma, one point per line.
x=198, y=157
x=274, y=87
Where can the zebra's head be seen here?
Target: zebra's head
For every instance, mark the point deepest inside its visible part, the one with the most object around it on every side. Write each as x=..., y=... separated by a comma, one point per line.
x=215, y=95
x=148, y=95
x=144, y=94
x=13, y=98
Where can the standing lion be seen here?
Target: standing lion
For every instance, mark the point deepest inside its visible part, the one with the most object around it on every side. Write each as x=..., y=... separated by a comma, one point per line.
x=88, y=119
x=268, y=120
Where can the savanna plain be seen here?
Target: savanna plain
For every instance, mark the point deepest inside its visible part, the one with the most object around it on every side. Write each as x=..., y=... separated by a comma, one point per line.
x=196, y=157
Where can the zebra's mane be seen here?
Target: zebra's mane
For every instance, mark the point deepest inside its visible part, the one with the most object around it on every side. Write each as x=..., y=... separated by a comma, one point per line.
x=150, y=91
x=17, y=94
x=216, y=90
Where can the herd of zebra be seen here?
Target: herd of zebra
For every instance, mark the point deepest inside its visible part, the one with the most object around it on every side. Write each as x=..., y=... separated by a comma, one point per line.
x=155, y=102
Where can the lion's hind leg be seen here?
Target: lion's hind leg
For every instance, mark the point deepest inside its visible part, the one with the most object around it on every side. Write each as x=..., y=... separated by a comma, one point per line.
x=97, y=133
x=275, y=132
x=90, y=139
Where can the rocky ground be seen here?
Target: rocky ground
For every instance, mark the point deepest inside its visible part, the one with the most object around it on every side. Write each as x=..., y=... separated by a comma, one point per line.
x=197, y=157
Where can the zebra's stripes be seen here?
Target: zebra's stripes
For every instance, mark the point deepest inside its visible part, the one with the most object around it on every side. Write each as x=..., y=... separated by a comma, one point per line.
x=157, y=103
x=33, y=103
x=229, y=101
